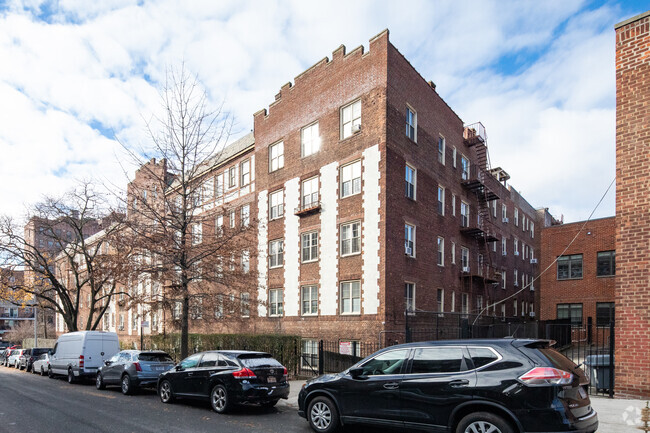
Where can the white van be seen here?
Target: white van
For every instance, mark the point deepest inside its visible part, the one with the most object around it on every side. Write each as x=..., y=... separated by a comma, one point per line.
x=80, y=354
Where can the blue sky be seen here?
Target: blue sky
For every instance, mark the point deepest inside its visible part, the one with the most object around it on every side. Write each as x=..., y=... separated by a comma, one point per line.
x=74, y=74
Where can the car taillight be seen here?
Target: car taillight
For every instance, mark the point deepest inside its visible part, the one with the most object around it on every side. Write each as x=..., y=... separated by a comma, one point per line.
x=81, y=360
x=244, y=373
x=285, y=374
x=137, y=366
x=540, y=376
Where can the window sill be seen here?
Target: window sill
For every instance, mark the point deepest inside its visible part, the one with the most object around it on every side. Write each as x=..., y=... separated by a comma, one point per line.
x=351, y=314
x=309, y=261
x=350, y=195
x=568, y=279
x=309, y=315
x=351, y=254
x=606, y=276
x=275, y=267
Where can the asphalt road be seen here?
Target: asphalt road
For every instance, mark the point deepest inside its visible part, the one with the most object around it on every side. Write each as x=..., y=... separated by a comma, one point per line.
x=31, y=403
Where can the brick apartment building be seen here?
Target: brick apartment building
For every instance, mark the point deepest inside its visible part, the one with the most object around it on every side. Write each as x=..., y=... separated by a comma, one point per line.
x=371, y=197
x=632, y=203
x=580, y=285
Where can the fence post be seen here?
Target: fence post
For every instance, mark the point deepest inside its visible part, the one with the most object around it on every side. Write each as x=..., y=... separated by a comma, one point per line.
x=321, y=358
x=611, y=359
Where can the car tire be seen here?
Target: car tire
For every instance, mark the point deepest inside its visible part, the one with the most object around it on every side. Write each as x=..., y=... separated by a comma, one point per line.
x=483, y=422
x=71, y=378
x=127, y=385
x=50, y=374
x=219, y=399
x=165, y=392
x=323, y=416
x=42, y=371
x=99, y=382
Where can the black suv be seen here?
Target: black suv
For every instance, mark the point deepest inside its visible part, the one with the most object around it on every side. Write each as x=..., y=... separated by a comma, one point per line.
x=461, y=386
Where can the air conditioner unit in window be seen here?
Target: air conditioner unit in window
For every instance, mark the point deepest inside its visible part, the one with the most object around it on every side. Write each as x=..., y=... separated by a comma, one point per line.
x=506, y=220
x=533, y=261
x=408, y=251
x=503, y=253
x=532, y=288
x=356, y=128
x=466, y=269
x=532, y=314
x=516, y=253
x=516, y=284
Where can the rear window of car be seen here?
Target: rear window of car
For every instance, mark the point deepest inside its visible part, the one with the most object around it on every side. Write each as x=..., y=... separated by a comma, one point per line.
x=482, y=356
x=39, y=351
x=557, y=359
x=155, y=357
x=256, y=361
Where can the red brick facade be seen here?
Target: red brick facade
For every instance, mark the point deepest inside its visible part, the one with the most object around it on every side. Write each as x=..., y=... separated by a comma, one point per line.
x=632, y=204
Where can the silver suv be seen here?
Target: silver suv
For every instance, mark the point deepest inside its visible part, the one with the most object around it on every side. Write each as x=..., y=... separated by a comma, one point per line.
x=131, y=369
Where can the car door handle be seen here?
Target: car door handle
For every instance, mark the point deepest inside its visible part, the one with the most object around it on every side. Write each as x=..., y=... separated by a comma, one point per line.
x=391, y=385
x=459, y=383
x=190, y=374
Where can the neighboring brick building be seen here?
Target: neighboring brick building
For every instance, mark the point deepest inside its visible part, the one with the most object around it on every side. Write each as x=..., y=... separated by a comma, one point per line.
x=632, y=204
x=581, y=283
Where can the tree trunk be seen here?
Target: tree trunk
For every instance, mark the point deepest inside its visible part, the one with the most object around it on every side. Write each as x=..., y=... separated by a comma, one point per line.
x=185, y=322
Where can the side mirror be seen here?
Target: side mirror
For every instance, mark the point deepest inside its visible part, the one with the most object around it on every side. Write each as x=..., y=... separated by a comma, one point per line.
x=178, y=367
x=357, y=373
x=107, y=362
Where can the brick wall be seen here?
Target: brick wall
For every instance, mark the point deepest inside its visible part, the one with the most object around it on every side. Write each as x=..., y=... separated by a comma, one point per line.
x=632, y=204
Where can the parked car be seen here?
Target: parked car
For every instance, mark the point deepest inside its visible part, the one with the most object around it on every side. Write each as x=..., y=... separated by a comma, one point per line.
x=80, y=354
x=14, y=358
x=462, y=386
x=4, y=358
x=42, y=364
x=30, y=355
x=226, y=378
x=132, y=369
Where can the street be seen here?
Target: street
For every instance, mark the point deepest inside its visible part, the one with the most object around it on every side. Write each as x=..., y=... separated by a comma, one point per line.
x=31, y=403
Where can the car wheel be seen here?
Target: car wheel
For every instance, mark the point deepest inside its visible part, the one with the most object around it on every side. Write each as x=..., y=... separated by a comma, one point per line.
x=165, y=392
x=70, y=376
x=99, y=382
x=49, y=373
x=42, y=371
x=269, y=404
x=127, y=388
x=322, y=415
x=483, y=422
x=219, y=399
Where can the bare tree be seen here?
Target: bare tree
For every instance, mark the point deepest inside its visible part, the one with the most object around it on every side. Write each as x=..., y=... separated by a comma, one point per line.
x=61, y=259
x=200, y=264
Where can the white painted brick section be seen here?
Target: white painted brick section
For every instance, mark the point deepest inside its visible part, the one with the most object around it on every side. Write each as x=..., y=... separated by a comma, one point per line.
x=328, y=257
x=370, y=229
x=291, y=248
x=262, y=246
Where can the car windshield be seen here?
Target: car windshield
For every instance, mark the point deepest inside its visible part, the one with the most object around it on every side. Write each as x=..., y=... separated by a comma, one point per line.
x=258, y=360
x=154, y=357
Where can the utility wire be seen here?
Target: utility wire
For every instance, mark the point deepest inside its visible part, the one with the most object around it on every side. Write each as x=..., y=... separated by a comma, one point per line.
x=552, y=263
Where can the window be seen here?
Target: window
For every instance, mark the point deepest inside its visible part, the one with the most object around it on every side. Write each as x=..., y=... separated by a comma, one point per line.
x=276, y=306
x=410, y=182
x=441, y=200
x=515, y=277
x=453, y=253
x=309, y=358
x=504, y=212
x=604, y=313
x=231, y=219
x=309, y=300
x=453, y=302
x=409, y=294
x=464, y=214
x=514, y=308
x=482, y=356
x=218, y=308
x=309, y=140
x=309, y=247
x=572, y=312
x=504, y=249
x=569, y=267
x=245, y=215
x=516, y=217
x=276, y=253
x=606, y=263
x=453, y=154
x=276, y=204
x=453, y=204
x=351, y=297
x=440, y=300
x=479, y=303
x=245, y=261
x=464, y=258
x=219, y=223
x=503, y=279
x=441, y=251
x=350, y=238
x=351, y=179
x=516, y=245
x=245, y=304
x=411, y=124
x=350, y=119
x=310, y=192
x=464, y=306
x=276, y=156
x=464, y=165
x=390, y=362
x=232, y=177
x=196, y=308
x=437, y=360
x=441, y=150
x=245, y=172
x=532, y=229
x=409, y=240
x=197, y=233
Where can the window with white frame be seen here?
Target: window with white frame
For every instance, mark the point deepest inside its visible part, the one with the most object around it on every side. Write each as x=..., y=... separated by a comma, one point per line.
x=219, y=188
x=276, y=156
x=350, y=238
x=409, y=294
x=515, y=277
x=196, y=308
x=351, y=179
x=218, y=222
x=440, y=300
x=503, y=310
x=514, y=307
x=310, y=192
x=350, y=119
x=504, y=248
x=410, y=182
x=464, y=214
x=532, y=229
x=441, y=150
x=479, y=303
x=453, y=204
x=309, y=140
x=409, y=240
x=494, y=208
x=245, y=172
x=504, y=212
x=516, y=217
x=350, y=297
x=309, y=356
x=503, y=279
x=516, y=244
x=232, y=177
x=309, y=247
x=441, y=200
x=464, y=306
x=309, y=300
x=453, y=253
x=276, y=253
x=121, y=324
x=245, y=304
x=464, y=166
x=464, y=258
x=246, y=215
x=197, y=233
x=218, y=307
x=245, y=261
x=453, y=302
x=411, y=124
x=231, y=219
x=276, y=302
x=276, y=204
x=441, y=251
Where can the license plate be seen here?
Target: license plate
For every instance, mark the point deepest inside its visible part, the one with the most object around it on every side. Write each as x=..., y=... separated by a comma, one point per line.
x=271, y=379
x=162, y=368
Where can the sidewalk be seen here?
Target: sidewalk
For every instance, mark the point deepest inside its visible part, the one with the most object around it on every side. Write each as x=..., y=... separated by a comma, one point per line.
x=614, y=415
